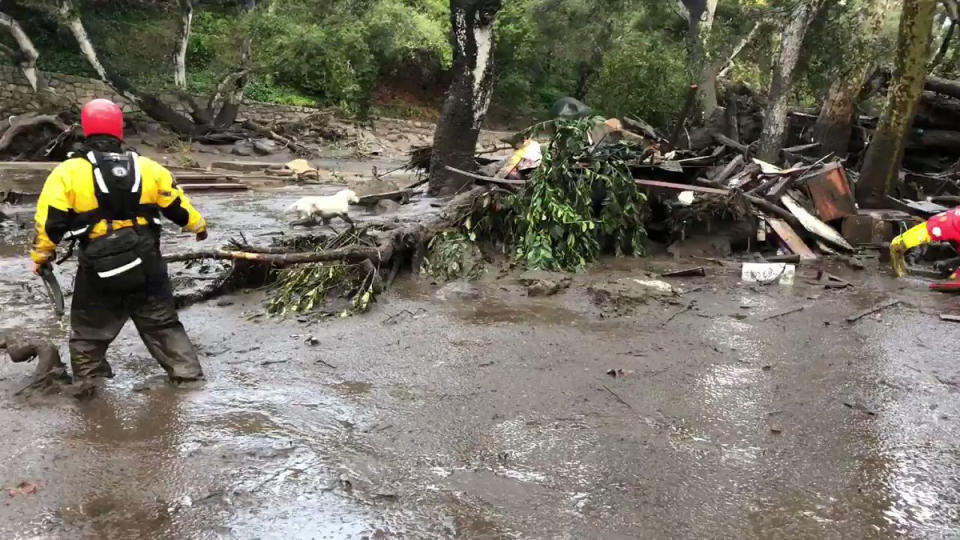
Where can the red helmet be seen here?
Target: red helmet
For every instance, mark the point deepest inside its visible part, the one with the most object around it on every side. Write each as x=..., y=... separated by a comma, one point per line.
x=102, y=117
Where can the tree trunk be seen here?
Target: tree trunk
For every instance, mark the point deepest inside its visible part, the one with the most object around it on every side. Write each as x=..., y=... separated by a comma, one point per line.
x=462, y=114
x=835, y=123
x=183, y=41
x=28, y=53
x=784, y=71
x=701, y=66
x=881, y=166
x=233, y=94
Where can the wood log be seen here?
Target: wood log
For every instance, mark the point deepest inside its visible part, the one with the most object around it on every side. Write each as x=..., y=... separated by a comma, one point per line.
x=935, y=139
x=730, y=143
x=24, y=122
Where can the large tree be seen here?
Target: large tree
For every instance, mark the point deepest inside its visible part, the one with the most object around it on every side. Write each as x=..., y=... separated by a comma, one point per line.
x=463, y=111
x=183, y=42
x=700, y=15
x=881, y=166
x=835, y=123
x=784, y=72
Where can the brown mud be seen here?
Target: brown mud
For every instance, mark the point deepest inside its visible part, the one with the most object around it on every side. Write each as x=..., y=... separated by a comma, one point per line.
x=472, y=410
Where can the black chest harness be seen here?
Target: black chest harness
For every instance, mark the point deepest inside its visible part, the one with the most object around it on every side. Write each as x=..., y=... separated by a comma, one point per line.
x=117, y=185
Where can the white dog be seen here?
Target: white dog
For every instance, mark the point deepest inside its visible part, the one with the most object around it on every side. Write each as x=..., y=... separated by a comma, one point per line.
x=326, y=208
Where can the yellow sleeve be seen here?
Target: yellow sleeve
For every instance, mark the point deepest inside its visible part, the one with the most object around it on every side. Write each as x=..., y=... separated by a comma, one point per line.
x=174, y=203
x=52, y=219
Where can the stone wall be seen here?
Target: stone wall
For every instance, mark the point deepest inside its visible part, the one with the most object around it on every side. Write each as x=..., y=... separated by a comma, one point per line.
x=16, y=97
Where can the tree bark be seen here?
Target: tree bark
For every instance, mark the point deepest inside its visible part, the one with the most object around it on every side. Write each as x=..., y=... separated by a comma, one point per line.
x=28, y=53
x=463, y=111
x=183, y=41
x=881, y=166
x=835, y=123
x=784, y=71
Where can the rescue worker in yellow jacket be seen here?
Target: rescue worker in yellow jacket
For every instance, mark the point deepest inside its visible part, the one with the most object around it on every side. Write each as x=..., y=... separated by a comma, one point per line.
x=110, y=202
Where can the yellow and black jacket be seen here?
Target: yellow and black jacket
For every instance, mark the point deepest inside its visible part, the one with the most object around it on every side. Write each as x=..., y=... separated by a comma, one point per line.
x=68, y=206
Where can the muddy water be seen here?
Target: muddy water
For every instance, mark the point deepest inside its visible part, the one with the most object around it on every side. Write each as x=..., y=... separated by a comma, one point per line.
x=470, y=410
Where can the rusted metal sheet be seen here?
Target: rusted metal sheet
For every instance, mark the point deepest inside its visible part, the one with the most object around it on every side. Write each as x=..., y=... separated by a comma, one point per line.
x=831, y=193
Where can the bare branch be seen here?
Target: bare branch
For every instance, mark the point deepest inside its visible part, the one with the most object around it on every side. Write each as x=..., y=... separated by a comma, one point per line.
x=29, y=54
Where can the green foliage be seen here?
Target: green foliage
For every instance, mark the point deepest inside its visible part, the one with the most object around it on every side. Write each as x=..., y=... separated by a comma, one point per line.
x=642, y=76
x=453, y=255
x=403, y=38
x=329, y=61
x=582, y=201
x=263, y=89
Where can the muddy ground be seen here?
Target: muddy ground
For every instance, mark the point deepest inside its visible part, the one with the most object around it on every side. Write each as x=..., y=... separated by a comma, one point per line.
x=471, y=410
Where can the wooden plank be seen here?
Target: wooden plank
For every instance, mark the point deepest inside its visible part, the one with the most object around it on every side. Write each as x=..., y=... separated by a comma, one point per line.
x=814, y=225
x=681, y=187
x=790, y=237
x=214, y=187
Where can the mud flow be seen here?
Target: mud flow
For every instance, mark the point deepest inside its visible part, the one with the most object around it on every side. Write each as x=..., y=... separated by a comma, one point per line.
x=472, y=410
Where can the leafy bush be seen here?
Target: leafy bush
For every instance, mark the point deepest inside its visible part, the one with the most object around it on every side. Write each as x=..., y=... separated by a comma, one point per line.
x=643, y=76
x=582, y=201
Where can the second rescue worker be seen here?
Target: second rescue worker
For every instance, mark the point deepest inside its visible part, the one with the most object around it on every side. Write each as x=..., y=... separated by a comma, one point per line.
x=111, y=201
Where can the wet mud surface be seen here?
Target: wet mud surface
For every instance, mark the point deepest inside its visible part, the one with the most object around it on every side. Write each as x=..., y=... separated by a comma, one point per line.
x=474, y=411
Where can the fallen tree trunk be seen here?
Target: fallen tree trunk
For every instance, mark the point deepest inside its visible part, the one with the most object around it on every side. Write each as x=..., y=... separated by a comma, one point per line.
x=389, y=243
x=278, y=259
x=24, y=122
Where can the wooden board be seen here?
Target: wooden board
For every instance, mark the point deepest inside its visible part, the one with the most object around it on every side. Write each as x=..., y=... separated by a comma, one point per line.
x=790, y=237
x=814, y=225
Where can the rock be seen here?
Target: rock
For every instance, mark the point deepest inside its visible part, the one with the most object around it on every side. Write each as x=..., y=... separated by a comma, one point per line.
x=629, y=292
x=385, y=206
x=459, y=290
x=541, y=283
x=703, y=246
x=242, y=149
x=265, y=147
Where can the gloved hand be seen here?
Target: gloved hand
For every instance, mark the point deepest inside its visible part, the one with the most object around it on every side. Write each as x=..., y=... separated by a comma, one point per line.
x=36, y=267
x=916, y=236
x=202, y=235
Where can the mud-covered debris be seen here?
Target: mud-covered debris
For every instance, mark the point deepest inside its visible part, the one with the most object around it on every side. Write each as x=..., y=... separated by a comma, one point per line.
x=627, y=293
x=50, y=375
x=784, y=312
x=615, y=373
x=875, y=309
x=859, y=407
x=949, y=318
x=768, y=273
x=686, y=272
x=23, y=488
x=312, y=341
